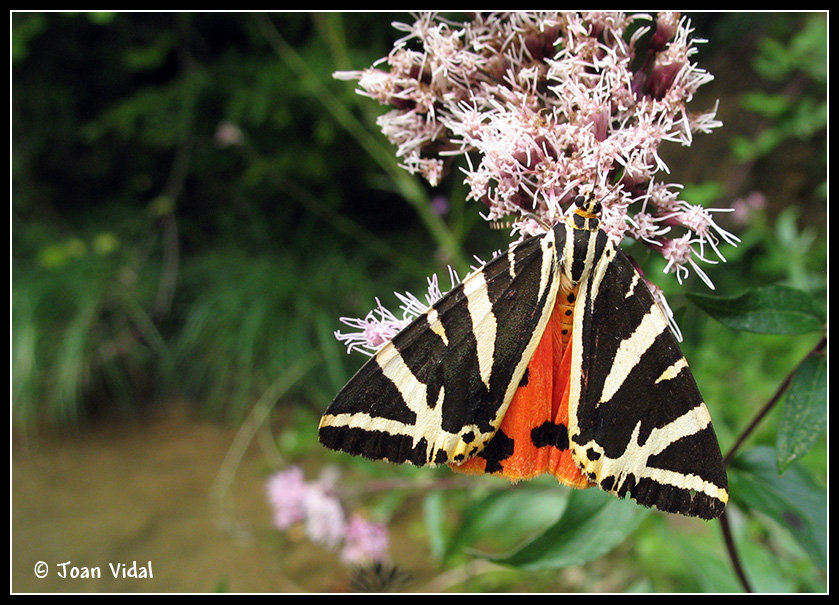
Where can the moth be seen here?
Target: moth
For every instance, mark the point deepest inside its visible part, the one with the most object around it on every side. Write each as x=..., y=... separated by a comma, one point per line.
x=552, y=358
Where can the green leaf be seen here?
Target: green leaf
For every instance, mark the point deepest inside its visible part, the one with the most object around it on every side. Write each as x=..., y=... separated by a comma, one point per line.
x=504, y=518
x=765, y=104
x=434, y=514
x=704, y=193
x=804, y=418
x=767, y=310
x=794, y=500
x=592, y=524
x=701, y=557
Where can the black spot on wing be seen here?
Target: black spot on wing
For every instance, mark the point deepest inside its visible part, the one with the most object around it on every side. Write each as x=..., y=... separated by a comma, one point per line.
x=496, y=451
x=550, y=433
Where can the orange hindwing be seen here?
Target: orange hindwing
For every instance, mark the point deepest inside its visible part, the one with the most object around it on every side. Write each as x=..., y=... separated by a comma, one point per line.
x=533, y=437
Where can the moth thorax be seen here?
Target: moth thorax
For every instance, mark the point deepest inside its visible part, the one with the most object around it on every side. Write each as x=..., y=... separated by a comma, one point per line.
x=585, y=222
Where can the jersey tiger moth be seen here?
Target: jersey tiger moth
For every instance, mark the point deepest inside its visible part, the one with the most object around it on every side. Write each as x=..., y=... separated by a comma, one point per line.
x=553, y=358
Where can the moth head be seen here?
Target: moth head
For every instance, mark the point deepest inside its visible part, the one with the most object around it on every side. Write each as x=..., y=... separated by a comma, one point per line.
x=588, y=204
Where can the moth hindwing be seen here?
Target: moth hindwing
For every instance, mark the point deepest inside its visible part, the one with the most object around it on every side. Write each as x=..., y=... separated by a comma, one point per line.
x=553, y=358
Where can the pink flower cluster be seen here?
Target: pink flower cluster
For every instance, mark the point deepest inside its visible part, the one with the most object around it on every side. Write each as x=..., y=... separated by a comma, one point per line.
x=545, y=106
x=380, y=324
x=314, y=504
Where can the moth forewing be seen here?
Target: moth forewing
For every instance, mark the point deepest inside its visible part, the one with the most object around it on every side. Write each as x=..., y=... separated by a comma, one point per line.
x=438, y=391
x=637, y=422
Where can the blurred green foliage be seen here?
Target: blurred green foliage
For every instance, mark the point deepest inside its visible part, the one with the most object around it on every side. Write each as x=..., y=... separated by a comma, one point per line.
x=210, y=169
x=195, y=201
x=799, y=110
x=186, y=220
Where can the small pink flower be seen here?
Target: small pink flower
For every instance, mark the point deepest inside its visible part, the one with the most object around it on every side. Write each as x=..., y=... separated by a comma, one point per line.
x=286, y=495
x=381, y=325
x=666, y=26
x=365, y=542
x=647, y=228
x=440, y=205
x=325, y=519
x=316, y=505
x=745, y=206
x=377, y=328
x=228, y=134
x=678, y=253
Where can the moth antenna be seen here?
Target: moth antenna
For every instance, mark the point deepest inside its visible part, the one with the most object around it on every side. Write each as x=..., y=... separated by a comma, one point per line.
x=501, y=224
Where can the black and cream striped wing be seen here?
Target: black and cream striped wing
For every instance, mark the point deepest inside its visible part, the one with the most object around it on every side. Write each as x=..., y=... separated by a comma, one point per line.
x=438, y=391
x=638, y=423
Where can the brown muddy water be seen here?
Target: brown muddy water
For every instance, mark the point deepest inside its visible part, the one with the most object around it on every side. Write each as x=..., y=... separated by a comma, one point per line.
x=140, y=498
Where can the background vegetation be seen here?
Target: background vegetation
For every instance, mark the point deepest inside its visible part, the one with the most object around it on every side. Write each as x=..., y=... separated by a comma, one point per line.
x=195, y=201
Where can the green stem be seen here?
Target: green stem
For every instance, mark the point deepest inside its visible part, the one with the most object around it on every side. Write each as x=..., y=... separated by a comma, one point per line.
x=726, y=528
